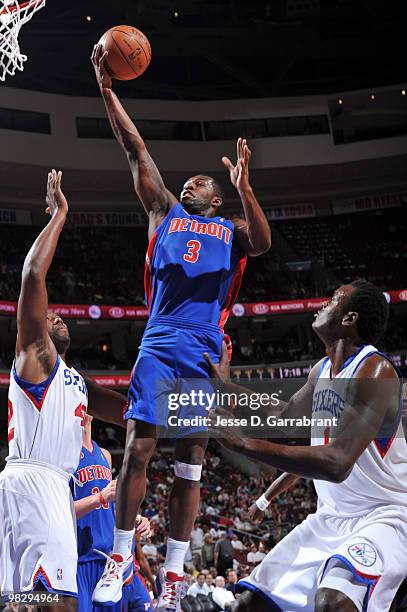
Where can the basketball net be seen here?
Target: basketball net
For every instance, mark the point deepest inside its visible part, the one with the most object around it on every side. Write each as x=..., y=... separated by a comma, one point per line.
x=13, y=15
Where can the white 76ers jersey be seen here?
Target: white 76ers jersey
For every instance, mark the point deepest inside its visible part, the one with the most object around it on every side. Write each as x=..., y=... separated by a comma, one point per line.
x=379, y=476
x=45, y=421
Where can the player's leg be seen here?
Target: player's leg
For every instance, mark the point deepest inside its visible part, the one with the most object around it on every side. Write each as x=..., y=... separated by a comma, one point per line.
x=252, y=602
x=329, y=600
x=141, y=441
x=70, y=604
x=183, y=509
x=185, y=493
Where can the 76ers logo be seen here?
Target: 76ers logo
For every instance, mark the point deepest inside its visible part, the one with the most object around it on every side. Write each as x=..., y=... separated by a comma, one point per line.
x=363, y=553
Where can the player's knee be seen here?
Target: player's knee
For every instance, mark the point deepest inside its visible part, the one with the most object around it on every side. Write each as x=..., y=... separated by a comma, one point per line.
x=329, y=600
x=138, y=453
x=249, y=602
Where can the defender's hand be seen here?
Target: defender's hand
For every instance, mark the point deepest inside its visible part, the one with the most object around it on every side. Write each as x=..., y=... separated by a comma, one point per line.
x=221, y=371
x=98, y=60
x=239, y=174
x=55, y=199
x=255, y=514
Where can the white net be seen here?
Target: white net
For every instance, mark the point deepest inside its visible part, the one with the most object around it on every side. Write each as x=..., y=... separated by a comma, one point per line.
x=13, y=15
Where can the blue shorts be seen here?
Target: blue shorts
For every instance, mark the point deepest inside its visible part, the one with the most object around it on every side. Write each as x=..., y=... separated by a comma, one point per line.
x=87, y=576
x=171, y=361
x=136, y=597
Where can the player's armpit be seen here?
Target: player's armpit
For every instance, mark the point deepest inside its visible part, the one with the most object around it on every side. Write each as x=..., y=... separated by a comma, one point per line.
x=105, y=404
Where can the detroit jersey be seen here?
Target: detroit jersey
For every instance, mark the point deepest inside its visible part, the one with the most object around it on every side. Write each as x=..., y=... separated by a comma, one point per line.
x=379, y=476
x=193, y=268
x=95, y=529
x=45, y=421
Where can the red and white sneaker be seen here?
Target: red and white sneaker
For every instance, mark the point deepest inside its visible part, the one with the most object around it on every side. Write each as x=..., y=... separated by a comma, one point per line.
x=117, y=573
x=171, y=589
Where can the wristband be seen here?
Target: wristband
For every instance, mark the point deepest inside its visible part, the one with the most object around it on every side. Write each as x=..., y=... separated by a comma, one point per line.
x=102, y=499
x=262, y=503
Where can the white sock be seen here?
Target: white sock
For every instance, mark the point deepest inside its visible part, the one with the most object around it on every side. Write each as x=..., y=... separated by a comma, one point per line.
x=123, y=541
x=174, y=559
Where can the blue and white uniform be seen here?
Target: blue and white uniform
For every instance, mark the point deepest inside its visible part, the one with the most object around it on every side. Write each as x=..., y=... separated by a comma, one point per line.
x=37, y=520
x=360, y=522
x=192, y=277
x=95, y=529
x=95, y=533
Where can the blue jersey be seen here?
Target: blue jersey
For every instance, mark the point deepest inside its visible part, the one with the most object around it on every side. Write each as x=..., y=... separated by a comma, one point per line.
x=193, y=268
x=95, y=529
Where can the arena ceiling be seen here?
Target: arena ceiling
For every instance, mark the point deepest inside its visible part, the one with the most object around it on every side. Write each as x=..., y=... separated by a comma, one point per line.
x=220, y=49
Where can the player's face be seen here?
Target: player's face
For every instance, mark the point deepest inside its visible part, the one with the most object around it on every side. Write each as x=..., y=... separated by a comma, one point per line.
x=328, y=320
x=58, y=332
x=198, y=197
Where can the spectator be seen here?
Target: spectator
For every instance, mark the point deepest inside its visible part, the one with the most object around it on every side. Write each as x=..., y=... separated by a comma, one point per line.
x=208, y=551
x=199, y=587
x=209, y=583
x=197, y=539
x=236, y=543
x=221, y=596
x=223, y=554
x=231, y=580
x=251, y=556
x=150, y=549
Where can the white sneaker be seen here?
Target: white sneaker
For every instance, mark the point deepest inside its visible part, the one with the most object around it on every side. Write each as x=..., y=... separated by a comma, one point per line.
x=171, y=589
x=117, y=573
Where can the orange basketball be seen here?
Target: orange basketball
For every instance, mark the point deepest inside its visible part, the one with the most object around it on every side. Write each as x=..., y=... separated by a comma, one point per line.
x=129, y=52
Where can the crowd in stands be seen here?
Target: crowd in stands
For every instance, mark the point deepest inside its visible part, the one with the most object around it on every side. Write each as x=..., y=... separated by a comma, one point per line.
x=96, y=265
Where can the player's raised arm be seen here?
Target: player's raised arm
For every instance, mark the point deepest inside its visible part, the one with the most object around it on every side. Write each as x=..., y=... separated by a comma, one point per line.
x=35, y=352
x=253, y=233
x=148, y=182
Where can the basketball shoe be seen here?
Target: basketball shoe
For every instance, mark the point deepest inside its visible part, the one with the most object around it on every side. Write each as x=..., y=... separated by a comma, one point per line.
x=117, y=573
x=171, y=589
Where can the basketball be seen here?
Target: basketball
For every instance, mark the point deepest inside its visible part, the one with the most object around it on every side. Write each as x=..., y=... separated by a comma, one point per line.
x=129, y=52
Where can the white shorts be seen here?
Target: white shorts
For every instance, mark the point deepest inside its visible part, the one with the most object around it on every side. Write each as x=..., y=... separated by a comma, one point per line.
x=373, y=547
x=37, y=529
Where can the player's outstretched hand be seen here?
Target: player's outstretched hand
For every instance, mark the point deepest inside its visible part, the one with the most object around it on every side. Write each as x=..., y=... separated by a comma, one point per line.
x=239, y=173
x=55, y=199
x=98, y=58
x=109, y=492
x=143, y=526
x=221, y=371
x=255, y=514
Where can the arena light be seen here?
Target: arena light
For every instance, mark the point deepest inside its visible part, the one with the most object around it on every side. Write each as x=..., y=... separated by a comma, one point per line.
x=372, y=96
x=340, y=101
x=403, y=92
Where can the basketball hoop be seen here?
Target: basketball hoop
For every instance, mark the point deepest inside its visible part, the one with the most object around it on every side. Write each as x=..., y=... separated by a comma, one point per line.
x=13, y=15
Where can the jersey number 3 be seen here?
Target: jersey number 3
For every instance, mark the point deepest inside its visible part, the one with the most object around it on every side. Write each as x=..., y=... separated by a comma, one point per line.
x=194, y=246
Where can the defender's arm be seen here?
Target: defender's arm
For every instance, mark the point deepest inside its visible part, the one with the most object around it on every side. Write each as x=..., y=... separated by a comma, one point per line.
x=35, y=352
x=253, y=234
